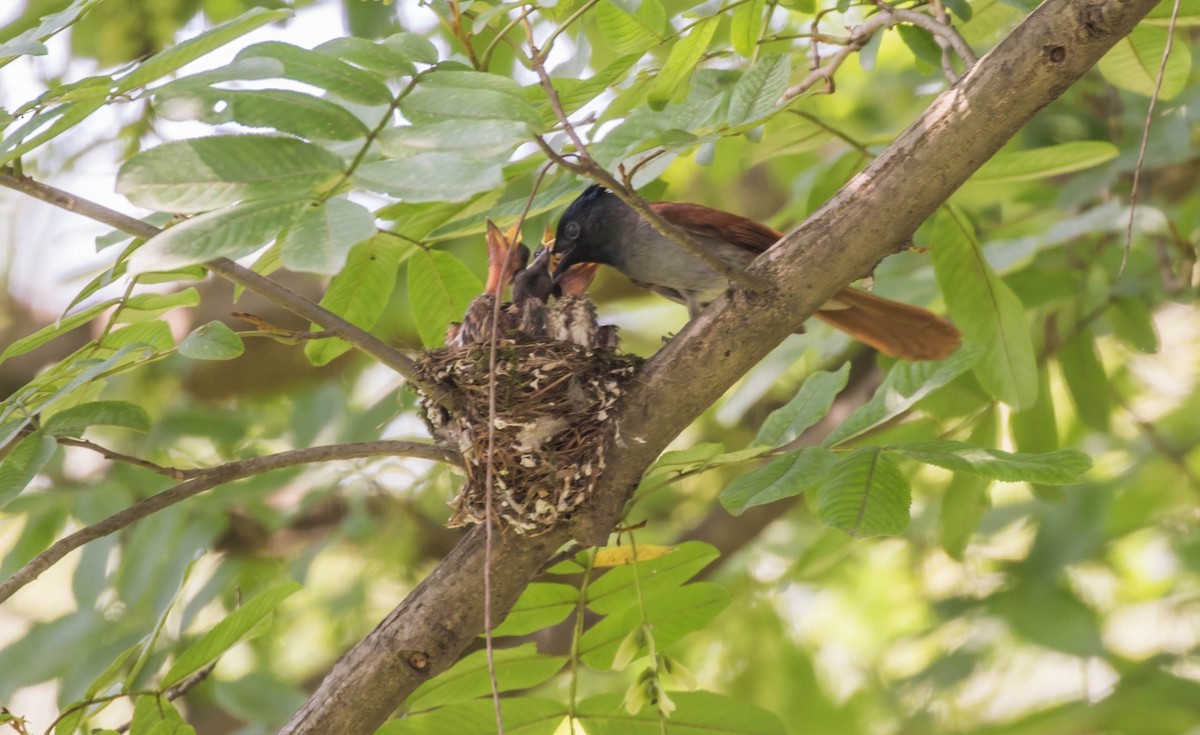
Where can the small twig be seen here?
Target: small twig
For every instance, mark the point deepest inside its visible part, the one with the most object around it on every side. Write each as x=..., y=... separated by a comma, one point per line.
x=588, y=167
x=15, y=722
x=211, y=478
x=489, y=476
x=180, y=689
x=861, y=34
x=384, y=119
x=943, y=17
x=1158, y=441
x=463, y=35
x=835, y=132
x=570, y=19
x=1137, y=169
x=174, y=473
x=485, y=59
x=627, y=176
x=232, y=271
x=939, y=30
x=267, y=329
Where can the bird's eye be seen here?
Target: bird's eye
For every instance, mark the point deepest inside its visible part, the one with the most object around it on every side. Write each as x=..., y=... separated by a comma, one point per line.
x=572, y=230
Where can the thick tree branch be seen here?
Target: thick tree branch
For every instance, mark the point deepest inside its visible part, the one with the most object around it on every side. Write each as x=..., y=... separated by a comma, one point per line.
x=212, y=478
x=230, y=270
x=870, y=218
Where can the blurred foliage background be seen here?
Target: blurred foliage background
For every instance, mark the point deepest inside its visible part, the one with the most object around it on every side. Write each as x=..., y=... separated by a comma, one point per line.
x=1004, y=607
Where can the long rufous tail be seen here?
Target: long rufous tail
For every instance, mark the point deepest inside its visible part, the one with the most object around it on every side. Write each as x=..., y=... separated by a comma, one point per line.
x=894, y=328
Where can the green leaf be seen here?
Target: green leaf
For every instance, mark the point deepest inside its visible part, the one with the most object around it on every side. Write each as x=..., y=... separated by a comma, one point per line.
x=1040, y=163
x=747, y=26
x=987, y=311
x=835, y=177
x=153, y=334
x=680, y=64
x=615, y=590
x=431, y=177
x=1086, y=380
x=1051, y=617
x=75, y=375
x=321, y=70
x=226, y=633
x=29, y=41
x=23, y=463
x=58, y=329
x=384, y=59
x=1063, y=467
x=921, y=43
x=757, y=92
x=1134, y=61
x=321, y=237
x=145, y=306
x=212, y=341
x=177, y=55
x=521, y=716
x=906, y=383
x=285, y=110
x=360, y=292
x=474, y=139
x=696, y=713
x=541, y=605
x=72, y=421
x=807, y=407
x=230, y=232
x=673, y=614
x=575, y=93
x=46, y=125
x=206, y=173
x=1036, y=428
x=172, y=728
x=516, y=668
x=468, y=95
x=865, y=494
x=150, y=713
x=440, y=288
x=961, y=8
x=1132, y=321
x=416, y=48
x=628, y=33
x=792, y=474
x=966, y=499
x=798, y=135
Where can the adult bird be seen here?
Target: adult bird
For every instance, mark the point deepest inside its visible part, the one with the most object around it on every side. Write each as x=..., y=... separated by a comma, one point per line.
x=600, y=228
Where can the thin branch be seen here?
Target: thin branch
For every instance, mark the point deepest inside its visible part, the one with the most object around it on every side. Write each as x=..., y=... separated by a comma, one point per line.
x=587, y=166
x=384, y=119
x=485, y=59
x=861, y=35
x=939, y=30
x=570, y=19
x=1137, y=169
x=212, y=478
x=232, y=271
x=174, y=473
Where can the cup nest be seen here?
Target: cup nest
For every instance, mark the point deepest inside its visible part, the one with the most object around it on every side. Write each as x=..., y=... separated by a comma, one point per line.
x=554, y=400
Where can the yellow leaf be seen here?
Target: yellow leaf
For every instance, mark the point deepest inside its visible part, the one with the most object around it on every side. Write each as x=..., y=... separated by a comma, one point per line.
x=619, y=556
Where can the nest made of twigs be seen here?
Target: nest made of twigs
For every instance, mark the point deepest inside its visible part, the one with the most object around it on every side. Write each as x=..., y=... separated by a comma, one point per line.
x=553, y=402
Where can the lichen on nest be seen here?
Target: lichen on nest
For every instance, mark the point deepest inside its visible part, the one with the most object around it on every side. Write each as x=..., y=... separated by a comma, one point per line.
x=553, y=403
